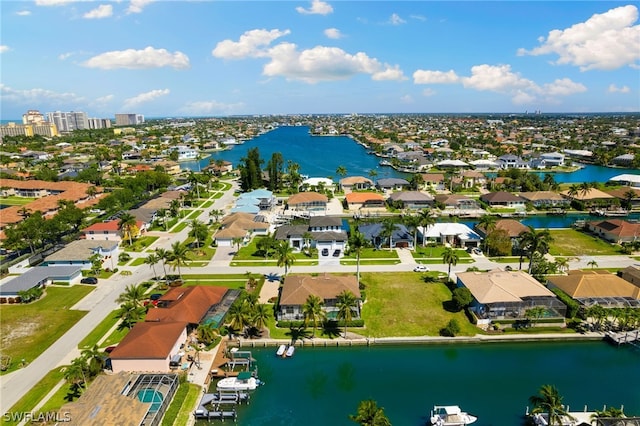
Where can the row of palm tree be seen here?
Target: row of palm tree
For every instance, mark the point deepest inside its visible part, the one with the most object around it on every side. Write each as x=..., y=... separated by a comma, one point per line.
x=82, y=369
x=313, y=310
x=178, y=256
x=246, y=314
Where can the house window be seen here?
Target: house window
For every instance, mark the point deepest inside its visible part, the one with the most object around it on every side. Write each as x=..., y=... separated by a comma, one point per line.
x=289, y=310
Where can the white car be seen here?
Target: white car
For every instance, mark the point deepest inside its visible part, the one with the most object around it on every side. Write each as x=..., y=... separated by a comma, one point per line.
x=421, y=268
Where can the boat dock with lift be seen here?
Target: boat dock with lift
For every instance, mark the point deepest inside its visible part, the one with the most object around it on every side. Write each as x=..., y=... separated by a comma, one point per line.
x=220, y=405
x=631, y=337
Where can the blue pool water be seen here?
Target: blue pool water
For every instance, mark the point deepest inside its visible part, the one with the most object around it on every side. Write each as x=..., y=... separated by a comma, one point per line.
x=152, y=396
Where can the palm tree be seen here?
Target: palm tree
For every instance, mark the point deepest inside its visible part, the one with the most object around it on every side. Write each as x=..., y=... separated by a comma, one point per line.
x=286, y=256
x=163, y=255
x=534, y=241
x=585, y=188
x=307, y=237
x=198, y=231
x=346, y=303
x=450, y=257
x=130, y=313
x=426, y=220
x=237, y=241
x=574, y=190
x=341, y=171
x=549, y=401
x=562, y=263
x=357, y=242
x=627, y=198
x=151, y=260
x=487, y=223
x=373, y=173
x=207, y=334
x=609, y=412
x=237, y=316
x=133, y=294
x=178, y=256
x=412, y=222
x=74, y=374
x=388, y=228
x=216, y=213
x=95, y=359
x=592, y=263
x=261, y=316
x=369, y=414
x=127, y=225
x=313, y=311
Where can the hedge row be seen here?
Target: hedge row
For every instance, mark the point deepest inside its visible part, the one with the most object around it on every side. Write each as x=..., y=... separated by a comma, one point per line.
x=328, y=323
x=573, y=307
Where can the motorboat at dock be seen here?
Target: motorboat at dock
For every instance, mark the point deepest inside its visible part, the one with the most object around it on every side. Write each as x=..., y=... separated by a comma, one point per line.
x=450, y=415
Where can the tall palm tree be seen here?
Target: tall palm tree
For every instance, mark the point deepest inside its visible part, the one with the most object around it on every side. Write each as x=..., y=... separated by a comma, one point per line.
x=388, y=228
x=198, y=231
x=426, y=220
x=307, y=237
x=238, y=317
x=313, y=311
x=133, y=294
x=151, y=260
x=592, y=263
x=369, y=414
x=127, y=224
x=450, y=257
x=130, y=313
x=357, y=242
x=261, y=316
x=346, y=303
x=179, y=256
x=549, y=401
x=574, y=190
x=562, y=263
x=534, y=241
x=163, y=255
x=585, y=188
x=95, y=359
x=286, y=257
x=341, y=171
x=75, y=374
x=487, y=223
x=207, y=334
x=412, y=222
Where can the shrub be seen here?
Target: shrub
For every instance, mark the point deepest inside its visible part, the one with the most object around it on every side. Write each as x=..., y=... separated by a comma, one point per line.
x=573, y=307
x=452, y=328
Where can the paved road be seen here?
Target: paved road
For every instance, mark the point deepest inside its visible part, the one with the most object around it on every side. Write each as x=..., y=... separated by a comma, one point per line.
x=102, y=301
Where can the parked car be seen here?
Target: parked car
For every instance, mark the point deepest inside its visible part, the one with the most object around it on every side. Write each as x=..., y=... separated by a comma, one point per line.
x=155, y=296
x=477, y=251
x=336, y=253
x=325, y=252
x=89, y=280
x=421, y=268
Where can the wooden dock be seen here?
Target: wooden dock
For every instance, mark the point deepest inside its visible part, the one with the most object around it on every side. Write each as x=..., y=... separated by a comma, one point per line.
x=624, y=336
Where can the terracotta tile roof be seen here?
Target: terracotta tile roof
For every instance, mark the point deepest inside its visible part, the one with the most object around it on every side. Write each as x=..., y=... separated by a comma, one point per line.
x=111, y=225
x=618, y=227
x=149, y=340
x=499, y=197
x=186, y=304
x=362, y=197
x=584, y=284
x=297, y=288
x=307, y=197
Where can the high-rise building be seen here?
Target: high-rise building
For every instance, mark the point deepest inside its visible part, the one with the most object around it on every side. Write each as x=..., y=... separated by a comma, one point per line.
x=129, y=119
x=69, y=121
x=33, y=116
x=44, y=128
x=99, y=123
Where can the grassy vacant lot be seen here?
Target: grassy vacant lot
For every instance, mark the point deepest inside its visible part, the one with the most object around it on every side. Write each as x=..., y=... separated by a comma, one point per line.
x=401, y=304
x=27, y=330
x=571, y=242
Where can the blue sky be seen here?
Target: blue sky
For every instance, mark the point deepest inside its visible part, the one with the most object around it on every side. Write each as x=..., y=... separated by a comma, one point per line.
x=214, y=58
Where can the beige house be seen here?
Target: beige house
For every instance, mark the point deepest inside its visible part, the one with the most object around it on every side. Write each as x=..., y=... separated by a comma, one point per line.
x=239, y=225
x=297, y=288
x=149, y=347
x=308, y=201
x=355, y=183
x=508, y=295
x=615, y=230
x=597, y=288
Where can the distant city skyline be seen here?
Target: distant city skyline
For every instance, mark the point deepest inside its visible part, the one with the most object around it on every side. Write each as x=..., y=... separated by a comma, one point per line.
x=217, y=58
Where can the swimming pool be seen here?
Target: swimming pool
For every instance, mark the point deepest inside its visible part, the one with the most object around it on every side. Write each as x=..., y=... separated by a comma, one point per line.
x=152, y=396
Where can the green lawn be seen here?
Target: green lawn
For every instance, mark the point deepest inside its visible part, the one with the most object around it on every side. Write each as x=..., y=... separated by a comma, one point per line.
x=140, y=244
x=370, y=262
x=180, y=227
x=369, y=253
x=137, y=262
x=571, y=242
x=402, y=304
x=98, y=332
x=436, y=252
x=194, y=214
x=27, y=330
x=35, y=395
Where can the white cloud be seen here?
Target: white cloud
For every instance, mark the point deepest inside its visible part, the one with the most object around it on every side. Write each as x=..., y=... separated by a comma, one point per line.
x=395, y=19
x=406, y=99
x=136, y=6
x=65, y=56
x=615, y=89
x=4, y=48
x=148, y=57
x=428, y=92
x=333, y=33
x=23, y=13
x=324, y=64
x=37, y=96
x=102, y=11
x=318, y=7
x=418, y=17
x=605, y=41
x=144, y=98
x=53, y=2
x=501, y=79
x=105, y=99
x=250, y=44
x=209, y=107
x=435, y=77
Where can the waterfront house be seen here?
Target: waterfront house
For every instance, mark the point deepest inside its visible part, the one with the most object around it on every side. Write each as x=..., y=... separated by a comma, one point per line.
x=434, y=181
x=512, y=227
x=503, y=199
x=484, y=164
x=190, y=305
x=308, y=202
x=597, y=287
x=40, y=276
x=325, y=232
x=411, y=200
x=615, y=230
x=510, y=161
x=508, y=295
x=470, y=179
x=400, y=238
x=392, y=184
x=293, y=234
x=262, y=198
x=149, y=347
x=297, y=288
x=317, y=184
x=592, y=197
x=81, y=252
x=364, y=200
x=544, y=199
x=552, y=159
x=454, y=234
x=456, y=203
x=627, y=179
x=355, y=183
x=629, y=197
x=240, y=225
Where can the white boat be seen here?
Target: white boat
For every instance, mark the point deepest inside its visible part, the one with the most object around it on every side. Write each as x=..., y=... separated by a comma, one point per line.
x=290, y=350
x=450, y=415
x=281, y=350
x=244, y=381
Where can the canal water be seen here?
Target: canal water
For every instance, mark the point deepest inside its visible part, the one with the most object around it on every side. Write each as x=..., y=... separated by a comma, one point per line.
x=322, y=386
x=320, y=156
